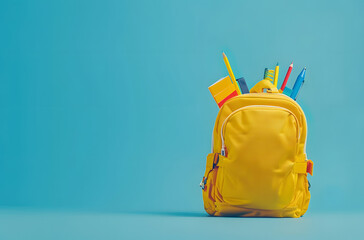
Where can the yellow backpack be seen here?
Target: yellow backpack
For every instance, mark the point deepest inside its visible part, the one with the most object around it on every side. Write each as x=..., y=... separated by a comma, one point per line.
x=258, y=165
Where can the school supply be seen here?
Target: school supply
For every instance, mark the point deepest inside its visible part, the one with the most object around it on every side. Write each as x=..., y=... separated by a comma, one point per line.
x=268, y=74
x=231, y=73
x=287, y=91
x=286, y=77
x=222, y=90
x=265, y=73
x=298, y=84
x=243, y=86
x=258, y=164
x=276, y=72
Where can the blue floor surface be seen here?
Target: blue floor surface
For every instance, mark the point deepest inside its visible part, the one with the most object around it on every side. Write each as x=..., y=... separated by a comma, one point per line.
x=39, y=225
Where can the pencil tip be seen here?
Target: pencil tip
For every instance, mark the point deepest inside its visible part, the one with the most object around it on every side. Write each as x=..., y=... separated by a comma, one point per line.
x=223, y=54
x=277, y=64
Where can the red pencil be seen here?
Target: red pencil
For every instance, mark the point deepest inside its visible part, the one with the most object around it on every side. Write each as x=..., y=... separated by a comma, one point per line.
x=286, y=77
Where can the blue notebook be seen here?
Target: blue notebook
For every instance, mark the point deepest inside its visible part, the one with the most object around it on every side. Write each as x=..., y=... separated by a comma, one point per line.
x=242, y=84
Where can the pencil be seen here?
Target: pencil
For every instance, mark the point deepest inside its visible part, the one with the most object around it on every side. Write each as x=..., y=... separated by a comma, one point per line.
x=231, y=73
x=287, y=76
x=276, y=72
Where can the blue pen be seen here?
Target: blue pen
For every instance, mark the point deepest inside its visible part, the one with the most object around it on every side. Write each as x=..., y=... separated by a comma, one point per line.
x=298, y=84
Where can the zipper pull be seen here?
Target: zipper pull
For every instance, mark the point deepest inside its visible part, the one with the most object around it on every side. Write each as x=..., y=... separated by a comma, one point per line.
x=223, y=151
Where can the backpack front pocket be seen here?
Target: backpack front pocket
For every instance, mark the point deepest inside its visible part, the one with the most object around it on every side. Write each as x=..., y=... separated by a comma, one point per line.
x=260, y=143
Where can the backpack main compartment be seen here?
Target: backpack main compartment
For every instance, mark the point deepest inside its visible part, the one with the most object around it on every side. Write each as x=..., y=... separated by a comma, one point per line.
x=258, y=162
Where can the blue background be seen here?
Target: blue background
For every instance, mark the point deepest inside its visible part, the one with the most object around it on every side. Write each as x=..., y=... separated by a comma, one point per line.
x=105, y=107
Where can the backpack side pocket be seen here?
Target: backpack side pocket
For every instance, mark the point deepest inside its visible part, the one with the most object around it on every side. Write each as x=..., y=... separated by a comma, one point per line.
x=209, y=182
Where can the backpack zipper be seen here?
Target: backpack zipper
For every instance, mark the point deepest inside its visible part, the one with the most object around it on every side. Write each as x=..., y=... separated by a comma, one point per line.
x=223, y=150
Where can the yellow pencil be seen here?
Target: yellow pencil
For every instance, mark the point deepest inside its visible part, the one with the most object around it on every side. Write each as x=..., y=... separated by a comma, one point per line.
x=231, y=73
x=276, y=72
